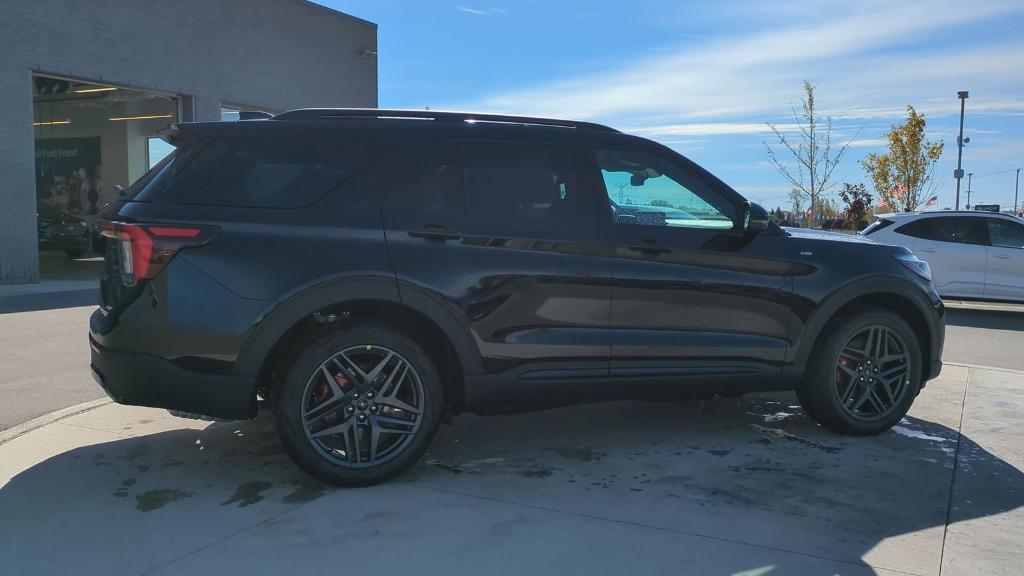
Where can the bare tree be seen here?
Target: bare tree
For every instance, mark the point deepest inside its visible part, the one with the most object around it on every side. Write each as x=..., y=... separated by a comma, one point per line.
x=813, y=152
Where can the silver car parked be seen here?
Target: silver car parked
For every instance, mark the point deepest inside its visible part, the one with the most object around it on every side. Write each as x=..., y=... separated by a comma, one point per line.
x=975, y=255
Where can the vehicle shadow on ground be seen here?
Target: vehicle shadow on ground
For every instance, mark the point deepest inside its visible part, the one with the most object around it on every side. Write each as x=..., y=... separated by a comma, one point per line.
x=754, y=471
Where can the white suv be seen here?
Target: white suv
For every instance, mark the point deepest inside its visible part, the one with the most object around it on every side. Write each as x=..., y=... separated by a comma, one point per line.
x=971, y=254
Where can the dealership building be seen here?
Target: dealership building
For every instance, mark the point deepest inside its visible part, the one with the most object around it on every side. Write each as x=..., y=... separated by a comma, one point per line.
x=87, y=86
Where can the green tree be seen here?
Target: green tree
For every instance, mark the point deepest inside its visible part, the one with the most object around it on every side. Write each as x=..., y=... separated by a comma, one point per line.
x=857, y=200
x=815, y=158
x=901, y=174
x=662, y=203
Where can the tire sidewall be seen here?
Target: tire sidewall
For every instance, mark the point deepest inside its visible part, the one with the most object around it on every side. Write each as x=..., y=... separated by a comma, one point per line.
x=289, y=402
x=818, y=390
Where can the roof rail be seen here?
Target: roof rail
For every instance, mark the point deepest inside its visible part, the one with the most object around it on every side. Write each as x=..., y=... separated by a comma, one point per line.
x=442, y=116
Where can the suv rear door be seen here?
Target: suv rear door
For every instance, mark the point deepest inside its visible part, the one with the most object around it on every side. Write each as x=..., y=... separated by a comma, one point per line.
x=508, y=235
x=1004, y=278
x=689, y=296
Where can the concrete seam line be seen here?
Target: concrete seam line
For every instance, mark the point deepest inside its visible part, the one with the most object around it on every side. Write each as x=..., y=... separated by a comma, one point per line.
x=47, y=419
x=956, y=466
x=655, y=527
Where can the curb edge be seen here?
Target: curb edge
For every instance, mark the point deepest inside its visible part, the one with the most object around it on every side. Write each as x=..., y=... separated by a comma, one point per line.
x=47, y=419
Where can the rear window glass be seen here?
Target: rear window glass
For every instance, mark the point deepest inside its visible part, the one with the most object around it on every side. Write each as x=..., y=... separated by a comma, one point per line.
x=266, y=172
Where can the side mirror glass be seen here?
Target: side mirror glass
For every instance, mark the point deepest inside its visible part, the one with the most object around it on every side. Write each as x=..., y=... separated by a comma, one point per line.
x=757, y=219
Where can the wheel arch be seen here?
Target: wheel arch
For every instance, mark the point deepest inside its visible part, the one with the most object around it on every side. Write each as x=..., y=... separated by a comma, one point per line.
x=890, y=293
x=280, y=333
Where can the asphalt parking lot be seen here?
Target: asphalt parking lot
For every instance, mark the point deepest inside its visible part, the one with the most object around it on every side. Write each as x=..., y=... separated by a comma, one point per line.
x=748, y=486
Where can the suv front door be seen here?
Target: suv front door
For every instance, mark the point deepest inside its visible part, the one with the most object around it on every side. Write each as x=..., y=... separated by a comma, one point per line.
x=511, y=239
x=955, y=249
x=690, y=296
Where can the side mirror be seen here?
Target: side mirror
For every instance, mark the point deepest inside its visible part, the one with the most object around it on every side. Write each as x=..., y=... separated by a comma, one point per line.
x=757, y=219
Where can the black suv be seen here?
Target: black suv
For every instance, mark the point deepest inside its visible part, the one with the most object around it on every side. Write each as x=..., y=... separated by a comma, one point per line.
x=371, y=272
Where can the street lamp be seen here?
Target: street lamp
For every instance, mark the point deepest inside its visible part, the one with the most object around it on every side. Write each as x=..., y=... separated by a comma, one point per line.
x=960, y=147
x=969, y=174
x=1016, y=188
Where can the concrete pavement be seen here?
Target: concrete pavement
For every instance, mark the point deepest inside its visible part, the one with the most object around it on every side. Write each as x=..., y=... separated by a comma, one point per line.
x=747, y=486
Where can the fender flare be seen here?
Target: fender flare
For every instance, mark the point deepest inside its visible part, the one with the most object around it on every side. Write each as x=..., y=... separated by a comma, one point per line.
x=803, y=338
x=298, y=304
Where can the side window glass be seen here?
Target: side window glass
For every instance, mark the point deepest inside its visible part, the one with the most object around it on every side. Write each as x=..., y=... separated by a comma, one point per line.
x=958, y=230
x=236, y=170
x=647, y=189
x=536, y=187
x=1005, y=234
x=434, y=189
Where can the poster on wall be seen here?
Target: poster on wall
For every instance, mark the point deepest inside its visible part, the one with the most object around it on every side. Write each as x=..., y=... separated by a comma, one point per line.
x=68, y=174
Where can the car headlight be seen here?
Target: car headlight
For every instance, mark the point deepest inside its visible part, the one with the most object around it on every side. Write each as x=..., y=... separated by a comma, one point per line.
x=912, y=263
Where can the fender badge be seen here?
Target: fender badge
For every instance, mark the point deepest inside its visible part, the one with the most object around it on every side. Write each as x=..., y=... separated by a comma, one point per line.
x=806, y=253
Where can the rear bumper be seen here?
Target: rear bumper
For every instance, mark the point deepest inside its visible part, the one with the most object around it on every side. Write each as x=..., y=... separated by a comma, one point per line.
x=140, y=379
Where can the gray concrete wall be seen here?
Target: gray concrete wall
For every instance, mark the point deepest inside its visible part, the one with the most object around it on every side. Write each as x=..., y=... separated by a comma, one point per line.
x=270, y=54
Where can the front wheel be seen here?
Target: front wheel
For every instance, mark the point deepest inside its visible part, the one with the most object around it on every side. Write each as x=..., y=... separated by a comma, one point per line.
x=360, y=405
x=863, y=377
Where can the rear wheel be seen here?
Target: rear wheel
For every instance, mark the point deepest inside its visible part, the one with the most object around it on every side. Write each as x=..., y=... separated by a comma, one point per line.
x=360, y=405
x=863, y=377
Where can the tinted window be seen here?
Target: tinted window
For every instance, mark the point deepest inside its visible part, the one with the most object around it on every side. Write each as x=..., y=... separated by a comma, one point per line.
x=266, y=172
x=956, y=229
x=434, y=188
x=1005, y=233
x=647, y=189
x=535, y=186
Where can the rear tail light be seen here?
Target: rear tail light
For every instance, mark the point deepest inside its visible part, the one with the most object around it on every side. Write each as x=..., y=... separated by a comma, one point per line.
x=146, y=248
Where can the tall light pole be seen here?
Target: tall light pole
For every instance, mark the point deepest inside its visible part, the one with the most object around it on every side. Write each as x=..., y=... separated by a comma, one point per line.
x=969, y=174
x=1016, y=188
x=960, y=147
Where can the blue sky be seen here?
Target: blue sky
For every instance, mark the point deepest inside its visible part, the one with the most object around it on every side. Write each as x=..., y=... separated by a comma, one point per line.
x=703, y=78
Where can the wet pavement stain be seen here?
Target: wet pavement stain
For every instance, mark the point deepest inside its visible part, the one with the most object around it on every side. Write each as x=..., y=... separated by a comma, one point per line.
x=534, y=473
x=719, y=453
x=154, y=499
x=248, y=493
x=127, y=482
x=585, y=454
x=768, y=433
x=448, y=467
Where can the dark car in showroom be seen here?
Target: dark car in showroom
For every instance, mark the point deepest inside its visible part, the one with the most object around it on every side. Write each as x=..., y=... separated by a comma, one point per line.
x=369, y=273
x=60, y=231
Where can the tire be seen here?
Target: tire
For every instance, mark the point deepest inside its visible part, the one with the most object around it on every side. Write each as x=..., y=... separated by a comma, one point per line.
x=348, y=409
x=861, y=394
x=75, y=253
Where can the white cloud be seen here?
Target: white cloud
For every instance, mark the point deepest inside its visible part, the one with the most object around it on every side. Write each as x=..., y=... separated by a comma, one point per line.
x=855, y=59
x=479, y=11
x=868, y=142
x=710, y=129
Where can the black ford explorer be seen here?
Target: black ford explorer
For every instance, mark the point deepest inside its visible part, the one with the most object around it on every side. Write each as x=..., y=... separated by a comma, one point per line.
x=369, y=272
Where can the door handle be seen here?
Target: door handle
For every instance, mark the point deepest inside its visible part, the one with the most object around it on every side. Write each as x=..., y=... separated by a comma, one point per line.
x=1002, y=256
x=649, y=248
x=927, y=250
x=435, y=233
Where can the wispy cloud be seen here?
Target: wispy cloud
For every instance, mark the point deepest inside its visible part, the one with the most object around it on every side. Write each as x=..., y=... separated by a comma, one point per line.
x=479, y=11
x=711, y=129
x=719, y=87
